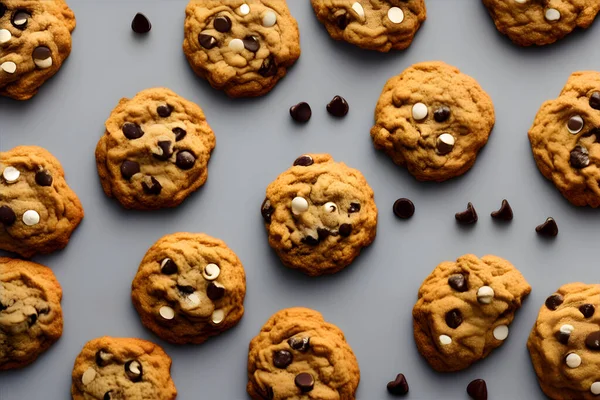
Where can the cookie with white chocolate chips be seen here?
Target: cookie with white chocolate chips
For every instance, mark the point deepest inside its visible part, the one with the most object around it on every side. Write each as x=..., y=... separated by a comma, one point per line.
x=464, y=310
x=433, y=120
x=319, y=215
x=155, y=150
x=541, y=22
x=189, y=287
x=243, y=47
x=564, y=343
x=121, y=368
x=565, y=139
x=381, y=25
x=297, y=355
x=38, y=211
x=35, y=39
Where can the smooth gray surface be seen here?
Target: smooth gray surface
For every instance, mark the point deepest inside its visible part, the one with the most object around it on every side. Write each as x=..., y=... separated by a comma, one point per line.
x=256, y=140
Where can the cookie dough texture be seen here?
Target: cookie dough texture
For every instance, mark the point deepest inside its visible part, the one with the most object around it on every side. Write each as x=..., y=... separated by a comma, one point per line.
x=433, y=120
x=117, y=368
x=189, y=287
x=535, y=22
x=380, y=25
x=243, y=47
x=319, y=215
x=35, y=39
x=38, y=211
x=464, y=310
x=155, y=150
x=30, y=313
x=570, y=157
x=564, y=343
x=294, y=342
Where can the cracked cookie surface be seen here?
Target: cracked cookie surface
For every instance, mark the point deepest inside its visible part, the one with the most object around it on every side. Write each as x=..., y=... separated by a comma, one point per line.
x=299, y=356
x=30, y=312
x=38, y=211
x=564, y=343
x=381, y=25
x=121, y=368
x=35, y=39
x=433, y=120
x=189, y=287
x=465, y=309
x=155, y=150
x=243, y=47
x=319, y=214
x=565, y=139
x=541, y=22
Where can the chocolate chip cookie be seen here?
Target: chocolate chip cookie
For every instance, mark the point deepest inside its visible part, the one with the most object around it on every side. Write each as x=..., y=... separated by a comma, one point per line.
x=319, y=214
x=38, y=211
x=155, y=151
x=541, y=22
x=189, y=287
x=380, y=25
x=464, y=310
x=297, y=355
x=564, y=343
x=35, y=39
x=30, y=313
x=115, y=368
x=433, y=120
x=243, y=47
x=565, y=139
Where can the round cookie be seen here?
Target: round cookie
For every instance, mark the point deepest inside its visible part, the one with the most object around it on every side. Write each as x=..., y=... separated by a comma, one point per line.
x=38, y=211
x=541, y=22
x=189, y=287
x=433, y=120
x=564, y=343
x=319, y=214
x=30, y=314
x=380, y=25
x=243, y=47
x=565, y=139
x=464, y=310
x=155, y=151
x=35, y=39
x=115, y=368
x=297, y=355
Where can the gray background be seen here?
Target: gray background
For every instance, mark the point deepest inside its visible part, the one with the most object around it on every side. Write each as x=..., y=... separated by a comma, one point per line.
x=256, y=140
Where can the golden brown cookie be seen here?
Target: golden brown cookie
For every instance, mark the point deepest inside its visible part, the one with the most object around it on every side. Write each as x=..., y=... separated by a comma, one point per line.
x=30, y=314
x=540, y=22
x=38, y=211
x=189, y=287
x=433, y=120
x=565, y=139
x=243, y=47
x=35, y=39
x=380, y=25
x=564, y=343
x=115, y=368
x=299, y=356
x=319, y=214
x=155, y=151
x=464, y=310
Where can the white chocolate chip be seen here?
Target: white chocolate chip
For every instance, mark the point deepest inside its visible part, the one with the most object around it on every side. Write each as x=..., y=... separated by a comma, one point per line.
x=396, y=15
x=88, y=376
x=330, y=207
x=218, y=316
x=573, y=360
x=20, y=19
x=269, y=19
x=194, y=299
x=236, y=45
x=358, y=8
x=595, y=388
x=244, y=9
x=31, y=217
x=552, y=14
x=43, y=64
x=485, y=294
x=211, y=272
x=445, y=143
x=521, y=1
x=9, y=67
x=167, y=313
x=5, y=36
x=11, y=174
x=419, y=112
x=566, y=328
x=445, y=340
x=299, y=205
x=501, y=332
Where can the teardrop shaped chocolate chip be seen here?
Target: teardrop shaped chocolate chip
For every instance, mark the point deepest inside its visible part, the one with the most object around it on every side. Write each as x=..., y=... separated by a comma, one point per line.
x=251, y=43
x=132, y=131
x=554, y=301
x=179, y=133
x=580, y=157
x=222, y=23
x=43, y=178
x=454, y=318
x=154, y=187
x=207, y=41
x=129, y=169
x=304, y=161
x=266, y=210
x=458, y=282
x=134, y=370
x=282, y=358
x=268, y=67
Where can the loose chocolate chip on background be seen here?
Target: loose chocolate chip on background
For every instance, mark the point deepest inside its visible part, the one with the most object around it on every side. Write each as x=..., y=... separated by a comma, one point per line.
x=441, y=114
x=43, y=178
x=338, y=107
x=477, y=389
x=129, y=169
x=505, y=212
x=592, y=341
x=587, y=310
x=458, y=282
x=185, y=160
x=454, y=318
x=398, y=386
x=7, y=216
x=301, y=112
x=304, y=161
x=282, y=358
x=179, y=133
x=467, y=217
x=214, y=291
x=207, y=41
x=153, y=188
x=267, y=210
x=141, y=24
x=299, y=344
x=222, y=24
x=345, y=230
x=132, y=131
x=552, y=302
x=579, y=157
x=595, y=100
x=268, y=67
x=305, y=382
x=134, y=371
x=548, y=228
x=403, y=208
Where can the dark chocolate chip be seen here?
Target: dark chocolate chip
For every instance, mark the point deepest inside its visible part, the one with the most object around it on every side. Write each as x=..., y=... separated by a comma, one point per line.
x=2, y=307
x=580, y=157
x=458, y=282
x=342, y=21
x=164, y=110
x=338, y=107
x=592, y=341
x=477, y=389
x=354, y=207
x=305, y=382
x=207, y=41
x=20, y=19
x=165, y=148
x=345, y=230
x=593, y=132
x=323, y=233
x=301, y=112
x=587, y=310
x=282, y=358
x=595, y=100
x=2, y=10
x=153, y=188
x=185, y=160
x=134, y=370
x=168, y=267
x=454, y=318
x=563, y=337
x=32, y=319
x=268, y=67
x=186, y=289
x=505, y=212
x=575, y=124
x=270, y=394
x=141, y=24
x=132, y=131
x=251, y=43
x=267, y=210
x=403, y=208
x=222, y=23
x=179, y=133
x=107, y=395
x=441, y=114
x=7, y=216
x=43, y=178
x=44, y=311
x=398, y=386
x=114, y=395
x=548, y=228
x=215, y=292
x=129, y=169
x=554, y=301
x=103, y=358
x=444, y=143
x=467, y=217
x=41, y=53
x=304, y=161
x=311, y=241
x=299, y=344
